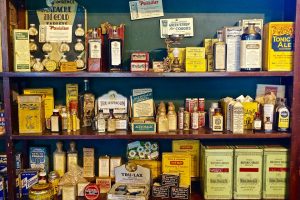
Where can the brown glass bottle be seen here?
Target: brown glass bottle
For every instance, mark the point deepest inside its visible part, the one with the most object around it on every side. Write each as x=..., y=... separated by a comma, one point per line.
x=111, y=122
x=115, y=51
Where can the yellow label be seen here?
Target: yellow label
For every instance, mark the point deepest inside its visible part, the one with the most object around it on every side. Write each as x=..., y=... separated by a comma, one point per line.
x=194, y=52
x=88, y=162
x=250, y=108
x=71, y=93
x=68, y=67
x=72, y=160
x=248, y=173
x=276, y=173
x=192, y=147
x=21, y=51
x=47, y=94
x=279, y=46
x=210, y=63
x=195, y=65
x=153, y=165
x=178, y=163
x=60, y=164
x=284, y=118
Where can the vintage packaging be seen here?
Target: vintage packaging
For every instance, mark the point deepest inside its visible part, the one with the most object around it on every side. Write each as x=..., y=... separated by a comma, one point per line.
x=153, y=165
x=68, y=66
x=208, y=45
x=192, y=147
x=92, y=191
x=31, y=114
x=21, y=51
x=3, y=163
x=114, y=162
x=184, y=26
x=19, y=161
x=88, y=163
x=171, y=180
x=279, y=46
x=142, y=102
x=115, y=101
x=159, y=191
x=28, y=179
x=129, y=177
x=103, y=166
x=69, y=192
x=210, y=63
x=140, y=57
x=178, y=163
x=248, y=172
x=142, y=150
x=232, y=38
x=71, y=93
x=48, y=96
x=275, y=172
x=158, y=66
x=180, y=192
x=143, y=127
x=268, y=111
x=145, y=9
x=139, y=66
x=2, y=188
x=38, y=158
x=104, y=184
x=259, y=24
x=80, y=188
x=195, y=59
x=250, y=108
x=217, y=172
x=237, y=118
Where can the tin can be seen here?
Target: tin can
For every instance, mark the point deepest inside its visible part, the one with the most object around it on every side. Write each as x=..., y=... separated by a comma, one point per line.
x=53, y=178
x=186, y=121
x=201, y=104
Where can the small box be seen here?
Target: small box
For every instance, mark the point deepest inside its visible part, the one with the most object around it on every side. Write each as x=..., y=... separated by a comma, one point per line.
x=279, y=46
x=104, y=184
x=142, y=102
x=194, y=52
x=21, y=51
x=153, y=165
x=69, y=192
x=88, y=163
x=38, y=158
x=80, y=188
x=140, y=57
x=139, y=66
x=28, y=179
x=3, y=163
x=31, y=114
x=210, y=62
x=250, y=108
x=180, y=193
x=142, y=150
x=121, y=124
x=103, y=165
x=143, y=128
x=158, y=66
x=71, y=93
x=196, y=65
x=114, y=162
x=160, y=191
x=68, y=67
x=171, y=180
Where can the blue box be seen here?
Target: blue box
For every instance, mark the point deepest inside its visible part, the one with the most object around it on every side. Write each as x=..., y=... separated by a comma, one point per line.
x=38, y=158
x=28, y=179
x=3, y=163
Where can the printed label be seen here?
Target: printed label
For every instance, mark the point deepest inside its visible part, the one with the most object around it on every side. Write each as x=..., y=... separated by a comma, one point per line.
x=251, y=54
x=115, y=53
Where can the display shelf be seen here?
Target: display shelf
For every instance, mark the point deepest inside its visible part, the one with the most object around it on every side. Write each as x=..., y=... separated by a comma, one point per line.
x=147, y=74
x=204, y=133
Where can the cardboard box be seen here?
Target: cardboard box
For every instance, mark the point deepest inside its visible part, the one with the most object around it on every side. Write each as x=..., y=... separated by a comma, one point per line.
x=275, y=172
x=28, y=179
x=71, y=93
x=103, y=166
x=142, y=103
x=192, y=147
x=248, y=172
x=31, y=114
x=88, y=162
x=279, y=46
x=153, y=165
x=143, y=128
x=104, y=184
x=250, y=108
x=38, y=158
x=178, y=163
x=21, y=51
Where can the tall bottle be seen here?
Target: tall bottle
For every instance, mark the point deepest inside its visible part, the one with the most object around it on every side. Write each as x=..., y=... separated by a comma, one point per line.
x=282, y=117
x=64, y=119
x=94, y=52
x=59, y=159
x=101, y=123
x=115, y=51
x=72, y=157
x=219, y=49
x=111, y=122
x=163, y=122
x=86, y=106
x=180, y=118
x=172, y=117
x=251, y=49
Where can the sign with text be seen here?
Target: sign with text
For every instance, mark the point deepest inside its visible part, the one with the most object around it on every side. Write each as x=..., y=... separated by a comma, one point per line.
x=177, y=26
x=143, y=9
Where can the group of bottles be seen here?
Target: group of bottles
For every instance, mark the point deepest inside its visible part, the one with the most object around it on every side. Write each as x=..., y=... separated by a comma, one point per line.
x=250, y=50
x=183, y=120
x=102, y=124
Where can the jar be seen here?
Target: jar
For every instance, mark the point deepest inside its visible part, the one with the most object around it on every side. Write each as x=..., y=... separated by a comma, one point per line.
x=41, y=192
x=53, y=179
x=64, y=47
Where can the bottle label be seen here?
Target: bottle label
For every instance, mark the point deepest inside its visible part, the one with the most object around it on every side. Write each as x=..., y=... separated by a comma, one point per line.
x=283, y=120
x=115, y=53
x=95, y=49
x=111, y=125
x=217, y=123
x=101, y=125
x=268, y=126
x=72, y=160
x=54, y=124
x=195, y=120
x=251, y=54
x=257, y=125
x=220, y=55
x=64, y=123
x=172, y=122
x=180, y=121
x=60, y=164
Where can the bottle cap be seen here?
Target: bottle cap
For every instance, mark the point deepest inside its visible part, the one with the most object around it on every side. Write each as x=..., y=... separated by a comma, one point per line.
x=214, y=105
x=55, y=110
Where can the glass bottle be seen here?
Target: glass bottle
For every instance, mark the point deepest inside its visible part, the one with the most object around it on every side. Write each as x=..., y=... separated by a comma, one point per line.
x=32, y=30
x=47, y=47
x=79, y=47
x=176, y=67
x=212, y=108
x=64, y=47
x=180, y=118
x=50, y=65
x=101, y=123
x=32, y=61
x=94, y=45
x=45, y=59
x=172, y=117
x=32, y=45
x=111, y=122
x=59, y=159
x=115, y=47
x=217, y=120
x=55, y=119
x=64, y=118
x=38, y=66
x=163, y=122
x=251, y=49
x=219, y=50
x=195, y=119
x=79, y=32
x=72, y=157
x=80, y=63
x=69, y=121
x=62, y=60
x=268, y=126
x=257, y=122
x=282, y=117
x=86, y=105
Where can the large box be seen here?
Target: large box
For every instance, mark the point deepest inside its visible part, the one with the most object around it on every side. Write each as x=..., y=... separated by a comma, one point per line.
x=248, y=172
x=279, y=46
x=21, y=51
x=175, y=163
x=192, y=147
x=217, y=172
x=275, y=172
x=31, y=114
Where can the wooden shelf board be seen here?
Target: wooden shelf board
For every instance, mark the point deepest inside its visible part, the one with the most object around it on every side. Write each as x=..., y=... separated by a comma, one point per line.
x=146, y=74
x=204, y=133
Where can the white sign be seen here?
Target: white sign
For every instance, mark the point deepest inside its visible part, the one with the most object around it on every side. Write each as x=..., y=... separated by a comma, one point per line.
x=178, y=26
x=145, y=9
x=112, y=100
x=55, y=33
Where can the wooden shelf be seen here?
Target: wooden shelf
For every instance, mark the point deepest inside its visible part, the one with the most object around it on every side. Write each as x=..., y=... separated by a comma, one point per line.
x=204, y=133
x=146, y=74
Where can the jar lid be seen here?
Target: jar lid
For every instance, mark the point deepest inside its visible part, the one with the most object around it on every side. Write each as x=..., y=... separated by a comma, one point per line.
x=40, y=187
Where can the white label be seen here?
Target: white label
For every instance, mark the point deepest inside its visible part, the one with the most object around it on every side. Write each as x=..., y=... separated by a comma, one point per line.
x=251, y=54
x=146, y=9
x=177, y=26
x=95, y=48
x=101, y=125
x=57, y=33
x=54, y=123
x=180, y=120
x=220, y=52
x=257, y=125
x=268, y=126
x=115, y=53
x=195, y=120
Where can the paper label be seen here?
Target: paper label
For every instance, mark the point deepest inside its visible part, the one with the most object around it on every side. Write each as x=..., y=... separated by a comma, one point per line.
x=251, y=54
x=56, y=33
x=177, y=26
x=145, y=9
x=95, y=49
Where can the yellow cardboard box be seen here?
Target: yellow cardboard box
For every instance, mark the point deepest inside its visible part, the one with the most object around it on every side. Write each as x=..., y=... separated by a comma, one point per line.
x=71, y=93
x=31, y=114
x=153, y=165
x=279, y=46
x=250, y=108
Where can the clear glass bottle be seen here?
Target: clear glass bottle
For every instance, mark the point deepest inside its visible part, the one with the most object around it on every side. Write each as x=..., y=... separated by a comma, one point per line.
x=80, y=63
x=212, y=108
x=115, y=47
x=172, y=117
x=101, y=123
x=79, y=32
x=251, y=49
x=195, y=119
x=86, y=105
x=50, y=65
x=45, y=59
x=94, y=45
x=217, y=120
x=72, y=158
x=62, y=60
x=32, y=45
x=56, y=125
x=219, y=50
x=33, y=30
x=163, y=122
x=64, y=119
x=38, y=66
x=180, y=118
x=268, y=125
x=111, y=122
x=257, y=122
x=282, y=117
x=59, y=159
x=79, y=47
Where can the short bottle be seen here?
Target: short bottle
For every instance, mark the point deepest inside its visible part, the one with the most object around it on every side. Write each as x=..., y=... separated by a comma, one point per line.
x=111, y=122
x=257, y=122
x=219, y=50
x=115, y=47
x=172, y=117
x=56, y=122
x=59, y=159
x=72, y=158
x=251, y=49
x=282, y=117
x=211, y=112
x=195, y=119
x=217, y=120
x=163, y=122
x=101, y=123
x=186, y=120
x=64, y=119
x=180, y=118
x=268, y=125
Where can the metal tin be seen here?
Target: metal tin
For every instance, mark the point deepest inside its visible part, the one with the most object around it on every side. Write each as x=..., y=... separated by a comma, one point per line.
x=41, y=192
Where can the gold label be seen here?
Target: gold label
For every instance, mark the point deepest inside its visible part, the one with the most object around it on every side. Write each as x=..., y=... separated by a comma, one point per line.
x=68, y=67
x=217, y=123
x=72, y=160
x=60, y=164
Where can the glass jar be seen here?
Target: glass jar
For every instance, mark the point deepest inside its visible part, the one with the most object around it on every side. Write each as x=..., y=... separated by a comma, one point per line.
x=79, y=63
x=64, y=47
x=41, y=192
x=47, y=47
x=32, y=46
x=45, y=59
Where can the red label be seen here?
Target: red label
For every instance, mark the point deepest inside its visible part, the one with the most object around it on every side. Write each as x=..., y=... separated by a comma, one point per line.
x=186, y=147
x=278, y=169
x=91, y=191
x=219, y=170
x=249, y=170
x=176, y=163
